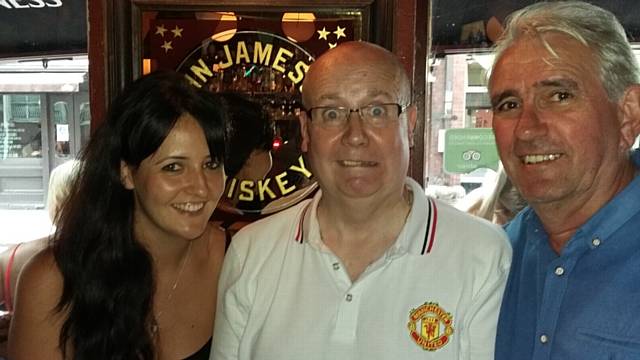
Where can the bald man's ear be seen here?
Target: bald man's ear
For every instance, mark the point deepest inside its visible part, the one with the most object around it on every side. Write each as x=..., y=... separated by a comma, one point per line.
x=412, y=114
x=630, y=119
x=304, y=130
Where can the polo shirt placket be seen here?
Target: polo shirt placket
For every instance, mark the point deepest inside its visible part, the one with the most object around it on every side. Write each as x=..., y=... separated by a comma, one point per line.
x=351, y=295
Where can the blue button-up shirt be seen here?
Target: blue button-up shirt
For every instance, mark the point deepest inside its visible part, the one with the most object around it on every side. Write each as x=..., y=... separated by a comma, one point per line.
x=583, y=304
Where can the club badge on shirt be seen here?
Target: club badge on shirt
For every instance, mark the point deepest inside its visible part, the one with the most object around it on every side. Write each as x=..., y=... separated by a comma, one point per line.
x=430, y=326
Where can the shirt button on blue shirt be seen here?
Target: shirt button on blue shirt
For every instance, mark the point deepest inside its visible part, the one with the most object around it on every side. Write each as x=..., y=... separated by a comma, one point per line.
x=559, y=271
x=544, y=339
x=596, y=242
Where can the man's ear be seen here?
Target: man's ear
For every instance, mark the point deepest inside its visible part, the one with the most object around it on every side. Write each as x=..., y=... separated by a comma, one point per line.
x=630, y=121
x=304, y=130
x=412, y=115
x=126, y=176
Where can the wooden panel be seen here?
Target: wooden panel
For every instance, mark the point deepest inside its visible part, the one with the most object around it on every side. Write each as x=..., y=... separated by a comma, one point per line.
x=410, y=44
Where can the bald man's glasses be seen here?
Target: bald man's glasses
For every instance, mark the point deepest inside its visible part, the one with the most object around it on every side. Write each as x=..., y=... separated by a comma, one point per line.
x=337, y=117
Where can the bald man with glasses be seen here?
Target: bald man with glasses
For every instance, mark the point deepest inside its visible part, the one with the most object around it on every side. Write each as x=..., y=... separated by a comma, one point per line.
x=370, y=268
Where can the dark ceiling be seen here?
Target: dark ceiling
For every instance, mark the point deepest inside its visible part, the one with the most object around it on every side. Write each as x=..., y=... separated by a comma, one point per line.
x=42, y=27
x=31, y=31
x=451, y=15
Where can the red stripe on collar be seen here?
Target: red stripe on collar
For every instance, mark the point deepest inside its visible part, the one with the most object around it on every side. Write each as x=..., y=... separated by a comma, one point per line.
x=430, y=232
x=300, y=229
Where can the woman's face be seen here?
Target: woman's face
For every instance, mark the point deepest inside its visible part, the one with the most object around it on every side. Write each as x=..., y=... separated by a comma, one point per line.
x=177, y=188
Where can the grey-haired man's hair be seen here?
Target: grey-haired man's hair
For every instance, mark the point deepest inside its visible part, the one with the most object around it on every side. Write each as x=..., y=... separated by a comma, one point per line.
x=596, y=28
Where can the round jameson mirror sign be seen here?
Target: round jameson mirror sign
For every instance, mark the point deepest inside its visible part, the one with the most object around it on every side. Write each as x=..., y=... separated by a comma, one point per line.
x=268, y=69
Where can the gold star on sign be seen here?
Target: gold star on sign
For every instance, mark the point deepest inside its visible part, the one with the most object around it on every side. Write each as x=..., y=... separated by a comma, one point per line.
x=167, y=46
x=340, y=32
x=177, y=32
x=323, y=33
x=332, y=45
x=160, y=30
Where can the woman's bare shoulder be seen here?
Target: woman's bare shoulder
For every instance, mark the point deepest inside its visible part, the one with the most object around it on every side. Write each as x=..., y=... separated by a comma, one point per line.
x=18, y=254
x=216, y=237
x=215, y=240
x=35, y=316
x=34, y=246
x=26, y=251
x=40, y=282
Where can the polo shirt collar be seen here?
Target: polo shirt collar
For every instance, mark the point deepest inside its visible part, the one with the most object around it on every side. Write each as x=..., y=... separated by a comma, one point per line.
x=416, y=237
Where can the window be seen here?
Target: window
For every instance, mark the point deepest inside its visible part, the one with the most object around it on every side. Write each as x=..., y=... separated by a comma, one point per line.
x=20, y=131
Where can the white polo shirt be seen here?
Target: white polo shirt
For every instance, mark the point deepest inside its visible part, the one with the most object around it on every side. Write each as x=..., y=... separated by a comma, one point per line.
x=435, y=293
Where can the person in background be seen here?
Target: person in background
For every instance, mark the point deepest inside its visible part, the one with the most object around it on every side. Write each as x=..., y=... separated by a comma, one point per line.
x=61, y=181
x=15, y=257
x=133, y=268
x=566, y=111
x=370, y=268
x=250, y=137
x=497, y=200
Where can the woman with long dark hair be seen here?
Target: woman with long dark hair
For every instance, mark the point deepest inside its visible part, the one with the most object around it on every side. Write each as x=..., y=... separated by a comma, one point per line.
x=133, y=266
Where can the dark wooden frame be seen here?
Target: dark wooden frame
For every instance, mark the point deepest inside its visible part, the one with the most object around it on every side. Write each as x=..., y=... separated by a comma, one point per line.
x=398, y=25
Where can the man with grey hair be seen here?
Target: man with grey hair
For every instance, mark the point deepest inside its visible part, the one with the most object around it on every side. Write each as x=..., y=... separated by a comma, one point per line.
x=566, y=111
x=370, y=268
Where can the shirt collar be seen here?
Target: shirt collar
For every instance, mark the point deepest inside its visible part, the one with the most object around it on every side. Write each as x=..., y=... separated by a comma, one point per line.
x=605, y=221
x=615, y=213
x=417, y=235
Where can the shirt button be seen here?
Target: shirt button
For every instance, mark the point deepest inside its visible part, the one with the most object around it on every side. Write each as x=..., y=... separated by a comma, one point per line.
x=336, y=266
x=596, y=242
x=544, y=339
x=349, y=297
x=559, y=271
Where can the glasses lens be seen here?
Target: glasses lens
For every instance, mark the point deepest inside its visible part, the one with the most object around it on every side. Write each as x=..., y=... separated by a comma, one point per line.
x=380, y=114
x=329, y=117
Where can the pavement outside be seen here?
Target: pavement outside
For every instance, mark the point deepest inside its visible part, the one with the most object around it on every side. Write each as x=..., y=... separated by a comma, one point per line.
x=22, y=225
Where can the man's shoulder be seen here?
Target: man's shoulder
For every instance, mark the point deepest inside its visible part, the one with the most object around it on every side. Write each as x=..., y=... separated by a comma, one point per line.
x=476, y=247
x=273, y=228
x=517, y=227
x=635, y=156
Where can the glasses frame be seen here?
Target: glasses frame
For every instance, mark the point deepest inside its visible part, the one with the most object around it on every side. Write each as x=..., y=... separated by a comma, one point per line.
x=401, y=109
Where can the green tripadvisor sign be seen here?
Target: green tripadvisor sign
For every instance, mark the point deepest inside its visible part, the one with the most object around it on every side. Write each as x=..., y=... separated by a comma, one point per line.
x=466, y=150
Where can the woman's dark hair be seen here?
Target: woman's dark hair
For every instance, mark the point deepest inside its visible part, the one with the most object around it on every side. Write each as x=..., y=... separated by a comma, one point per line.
x=108, y=274
x=248, y=129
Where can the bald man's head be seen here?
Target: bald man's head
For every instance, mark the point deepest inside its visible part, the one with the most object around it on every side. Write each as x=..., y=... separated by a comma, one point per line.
x=355, y=56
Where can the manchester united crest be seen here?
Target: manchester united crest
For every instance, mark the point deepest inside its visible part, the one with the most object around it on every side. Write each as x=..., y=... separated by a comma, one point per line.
x=430, y=326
